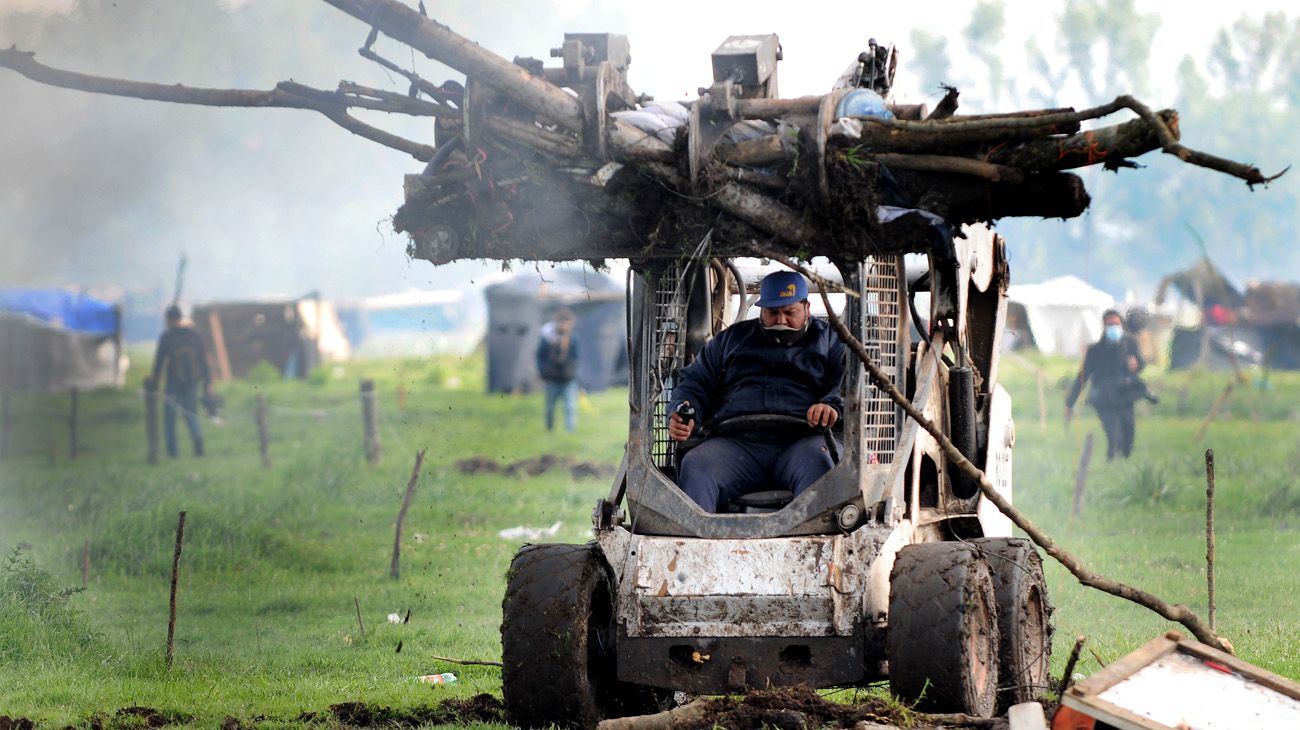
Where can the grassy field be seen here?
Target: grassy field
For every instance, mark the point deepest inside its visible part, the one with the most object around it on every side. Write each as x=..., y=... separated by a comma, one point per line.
x=275, y=558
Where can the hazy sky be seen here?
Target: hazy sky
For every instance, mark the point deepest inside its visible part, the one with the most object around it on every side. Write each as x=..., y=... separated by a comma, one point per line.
x=98, y=191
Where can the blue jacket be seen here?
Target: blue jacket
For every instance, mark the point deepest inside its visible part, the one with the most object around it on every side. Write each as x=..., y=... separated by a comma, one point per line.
x=740, y=372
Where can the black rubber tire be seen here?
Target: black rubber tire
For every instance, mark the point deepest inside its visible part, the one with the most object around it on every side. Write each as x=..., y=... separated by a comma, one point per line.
x=557, y=642
x=942, y=641
x=1024, y=618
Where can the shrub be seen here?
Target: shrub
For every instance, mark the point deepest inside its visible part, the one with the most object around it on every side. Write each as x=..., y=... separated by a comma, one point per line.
x=263, y=373
x=36, y=619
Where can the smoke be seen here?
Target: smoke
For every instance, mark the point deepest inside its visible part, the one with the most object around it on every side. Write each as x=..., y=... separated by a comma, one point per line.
x=103, y=191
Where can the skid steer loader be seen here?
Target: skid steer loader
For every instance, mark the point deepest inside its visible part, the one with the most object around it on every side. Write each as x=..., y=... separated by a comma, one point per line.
x=892, y=565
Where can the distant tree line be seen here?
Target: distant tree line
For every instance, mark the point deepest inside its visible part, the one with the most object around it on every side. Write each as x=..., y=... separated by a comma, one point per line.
x=1240, y=98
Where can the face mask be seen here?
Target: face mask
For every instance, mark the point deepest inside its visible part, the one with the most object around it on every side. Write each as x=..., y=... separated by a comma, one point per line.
x=1114, y=332
x=780, y=334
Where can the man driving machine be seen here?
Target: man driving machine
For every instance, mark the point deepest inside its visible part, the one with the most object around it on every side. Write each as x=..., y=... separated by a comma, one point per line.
x=785, y=363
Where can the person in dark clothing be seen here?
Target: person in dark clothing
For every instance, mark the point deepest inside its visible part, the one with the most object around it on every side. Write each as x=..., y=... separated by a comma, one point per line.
x=181, y=358
x=785, y=362
x=557, y=363
x=1112, y=365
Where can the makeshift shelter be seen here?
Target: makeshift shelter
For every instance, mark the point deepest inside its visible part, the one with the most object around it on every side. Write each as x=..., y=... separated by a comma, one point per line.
x=517, y=309
x=414, y=323
x=293, y=335
x=1059, y=316
x=1214, y=325
x=58, y=338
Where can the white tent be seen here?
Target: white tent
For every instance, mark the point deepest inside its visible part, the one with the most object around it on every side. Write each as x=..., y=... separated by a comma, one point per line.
x=1063, y=314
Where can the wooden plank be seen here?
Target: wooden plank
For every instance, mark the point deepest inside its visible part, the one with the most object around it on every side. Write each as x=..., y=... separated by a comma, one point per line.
x=1094, y=698
x=219, y=346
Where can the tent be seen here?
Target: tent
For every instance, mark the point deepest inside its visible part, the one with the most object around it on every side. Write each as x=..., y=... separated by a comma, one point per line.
x=519, y=306
x=1060, y=316
x=414, y=323
x=58, y=338
x=293, y=335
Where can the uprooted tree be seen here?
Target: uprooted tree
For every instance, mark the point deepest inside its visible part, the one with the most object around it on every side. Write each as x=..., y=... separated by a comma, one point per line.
x=569, y=163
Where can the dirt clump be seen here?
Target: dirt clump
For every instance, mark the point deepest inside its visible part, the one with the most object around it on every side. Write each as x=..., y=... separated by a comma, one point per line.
x=459, y=711
x=478, y=465
x=16, y=723
x=135, y=717
x=536, y=466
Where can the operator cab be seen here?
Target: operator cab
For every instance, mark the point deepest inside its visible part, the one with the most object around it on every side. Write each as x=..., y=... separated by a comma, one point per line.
x=676, y=307
x=740, y=293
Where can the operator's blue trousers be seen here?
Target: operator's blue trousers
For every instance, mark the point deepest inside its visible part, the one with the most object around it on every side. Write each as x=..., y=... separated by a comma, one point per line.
x=721, y=469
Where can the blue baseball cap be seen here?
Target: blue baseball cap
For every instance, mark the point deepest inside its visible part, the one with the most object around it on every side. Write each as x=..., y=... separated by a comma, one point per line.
x=782, y=288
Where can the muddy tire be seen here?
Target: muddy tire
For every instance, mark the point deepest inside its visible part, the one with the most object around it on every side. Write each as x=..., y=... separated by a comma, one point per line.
x=557, y=642
x=942, y=642
x=1024, y=618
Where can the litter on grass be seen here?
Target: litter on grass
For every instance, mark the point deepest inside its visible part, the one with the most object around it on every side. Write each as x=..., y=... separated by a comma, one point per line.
x=524, y=532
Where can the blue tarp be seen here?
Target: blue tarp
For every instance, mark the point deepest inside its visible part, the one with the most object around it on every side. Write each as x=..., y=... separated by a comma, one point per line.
x=71, y=310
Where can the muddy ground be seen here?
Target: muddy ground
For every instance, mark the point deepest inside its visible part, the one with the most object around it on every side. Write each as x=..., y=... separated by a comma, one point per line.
x=782, y=709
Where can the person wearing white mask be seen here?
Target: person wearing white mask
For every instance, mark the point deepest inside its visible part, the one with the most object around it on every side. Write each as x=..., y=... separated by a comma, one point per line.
x=1111, y=365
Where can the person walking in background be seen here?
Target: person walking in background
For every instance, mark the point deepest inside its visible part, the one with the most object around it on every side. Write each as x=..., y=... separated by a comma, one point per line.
x=1112, y=365
x=181, y=358
x=557, y=363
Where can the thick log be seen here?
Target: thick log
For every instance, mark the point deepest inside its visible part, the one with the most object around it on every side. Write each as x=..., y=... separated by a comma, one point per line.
x=440, y=43
x=1107, y=146
x=759, y=211
x=773, y=109
x=945, y=134
x=757, y=152
x=947, y=163
x=969, y=199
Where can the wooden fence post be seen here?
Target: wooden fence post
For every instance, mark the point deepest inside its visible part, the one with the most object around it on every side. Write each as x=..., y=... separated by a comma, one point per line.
x=1209, y=533
x=263, y=439
x=73, y=416
x=393, y=568
x=151, y=418
x=1081, y=476
x=4, y=424
x=176, y=569
x=369, y=420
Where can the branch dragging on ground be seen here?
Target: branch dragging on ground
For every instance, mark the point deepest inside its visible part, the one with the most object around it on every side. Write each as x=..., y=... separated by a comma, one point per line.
x=1172, y=612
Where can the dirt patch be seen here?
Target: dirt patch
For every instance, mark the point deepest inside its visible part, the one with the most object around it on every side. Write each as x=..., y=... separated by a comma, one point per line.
x=793, y=707
x=479, y=708
x=536, y=466
x=16, y=723
x=135, y=717
x=478, y=465
x=801, y=708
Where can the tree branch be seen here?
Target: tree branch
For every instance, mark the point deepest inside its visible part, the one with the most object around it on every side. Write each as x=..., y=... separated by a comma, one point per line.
x=286, y=95
x=1172, y=612
x=425, y=86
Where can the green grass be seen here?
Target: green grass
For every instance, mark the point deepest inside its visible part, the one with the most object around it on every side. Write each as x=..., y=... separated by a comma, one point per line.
x=266, y=624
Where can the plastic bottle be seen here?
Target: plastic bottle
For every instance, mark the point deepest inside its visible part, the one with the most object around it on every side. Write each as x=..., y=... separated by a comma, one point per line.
x=444, y=678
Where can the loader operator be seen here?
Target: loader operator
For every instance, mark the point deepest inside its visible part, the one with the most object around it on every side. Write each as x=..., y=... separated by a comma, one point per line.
x=786, y=362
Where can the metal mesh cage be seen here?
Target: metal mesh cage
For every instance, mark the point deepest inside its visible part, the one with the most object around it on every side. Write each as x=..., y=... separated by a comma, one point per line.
x=668, y=307
x=881, y=310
